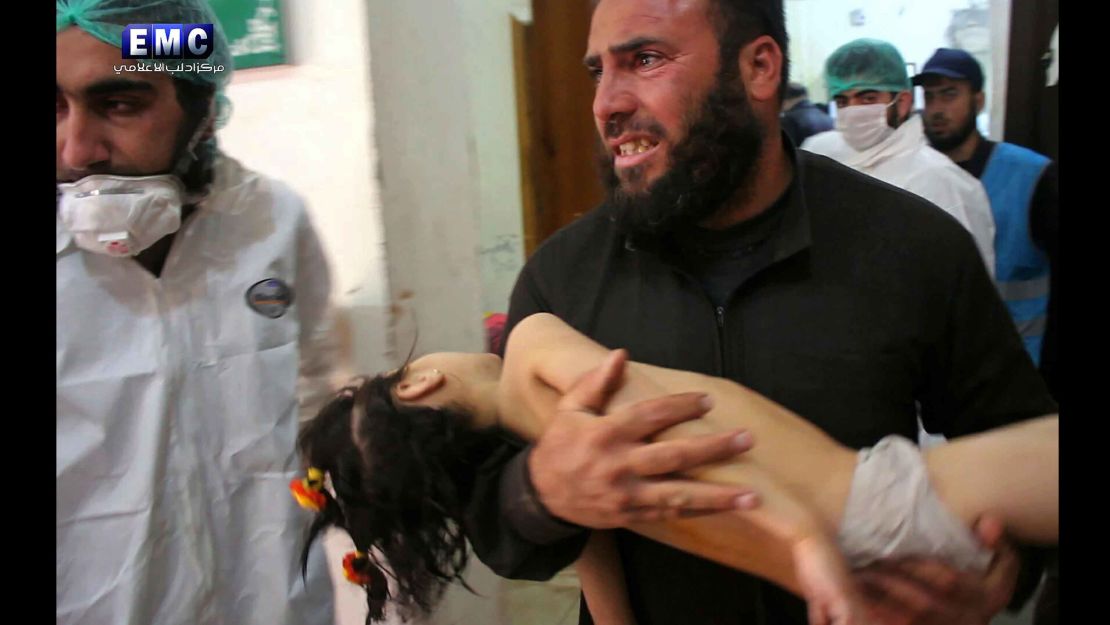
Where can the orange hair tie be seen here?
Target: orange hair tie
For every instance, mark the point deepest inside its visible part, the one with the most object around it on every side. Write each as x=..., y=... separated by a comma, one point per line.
x=309, y=490
x=354, y=568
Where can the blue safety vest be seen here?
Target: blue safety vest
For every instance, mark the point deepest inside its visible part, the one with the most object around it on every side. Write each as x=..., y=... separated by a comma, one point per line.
x=1021, y=268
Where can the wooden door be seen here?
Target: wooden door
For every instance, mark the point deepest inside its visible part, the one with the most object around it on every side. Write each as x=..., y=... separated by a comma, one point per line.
x=554, y=101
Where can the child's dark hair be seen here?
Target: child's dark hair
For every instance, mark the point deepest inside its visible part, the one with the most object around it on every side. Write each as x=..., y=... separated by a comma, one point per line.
x=402, y=475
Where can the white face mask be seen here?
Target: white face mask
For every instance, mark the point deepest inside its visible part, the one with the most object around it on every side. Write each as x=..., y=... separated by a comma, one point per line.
x=121, y=215
x=864, y=125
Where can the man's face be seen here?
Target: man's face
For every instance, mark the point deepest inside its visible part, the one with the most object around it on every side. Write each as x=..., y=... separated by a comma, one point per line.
x=950, y=110
x=653, y=62
x=679, y=137
x=108, y=123
x=860, y=97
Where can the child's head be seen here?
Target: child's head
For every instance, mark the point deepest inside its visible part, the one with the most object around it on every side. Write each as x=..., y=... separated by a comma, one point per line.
x=402, y=473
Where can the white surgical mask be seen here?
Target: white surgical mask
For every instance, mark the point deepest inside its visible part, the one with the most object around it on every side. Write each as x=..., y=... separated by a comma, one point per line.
x=121, y=215
x=864, y=125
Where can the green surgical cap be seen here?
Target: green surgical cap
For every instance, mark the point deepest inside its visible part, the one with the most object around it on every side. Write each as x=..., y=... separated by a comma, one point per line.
x=105, y=20
x=865, y=65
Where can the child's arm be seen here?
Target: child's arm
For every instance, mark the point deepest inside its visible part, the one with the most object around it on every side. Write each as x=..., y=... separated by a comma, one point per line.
x=1012, y=473
x=545, y=357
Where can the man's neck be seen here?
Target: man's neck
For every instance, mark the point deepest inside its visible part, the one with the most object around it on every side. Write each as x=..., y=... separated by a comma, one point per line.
x=965, y=150
x=153, y=258
x=770, y=178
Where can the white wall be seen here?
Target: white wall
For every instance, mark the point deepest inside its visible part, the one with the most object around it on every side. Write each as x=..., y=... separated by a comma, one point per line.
x=1000, y=61
x=311, y=124
x=489, y=68
x=428, y=172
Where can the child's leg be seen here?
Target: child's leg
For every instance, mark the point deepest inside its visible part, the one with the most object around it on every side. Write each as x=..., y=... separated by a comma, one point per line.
x=602, y=577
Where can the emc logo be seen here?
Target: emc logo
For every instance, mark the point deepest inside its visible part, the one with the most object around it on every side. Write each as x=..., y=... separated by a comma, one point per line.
x=167, y=41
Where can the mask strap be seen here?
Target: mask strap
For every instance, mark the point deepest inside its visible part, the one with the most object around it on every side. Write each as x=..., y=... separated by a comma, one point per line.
x=189, y=153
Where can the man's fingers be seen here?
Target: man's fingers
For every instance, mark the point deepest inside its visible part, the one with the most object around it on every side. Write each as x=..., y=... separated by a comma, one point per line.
x=817, y=614
x=592, y=391
x=1001, y=578
x=680, y=455
x=989, y=530
x=939, y=579
x=646, y=418
x=678, y=498
x=893, y=593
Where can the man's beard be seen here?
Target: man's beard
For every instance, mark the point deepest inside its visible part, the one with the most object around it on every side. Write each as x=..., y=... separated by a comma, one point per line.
x=956, y=139
x=711, y=165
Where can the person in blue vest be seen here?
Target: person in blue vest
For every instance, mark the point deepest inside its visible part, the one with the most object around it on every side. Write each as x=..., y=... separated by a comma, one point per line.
x=1024, y=195
x=1023, y=190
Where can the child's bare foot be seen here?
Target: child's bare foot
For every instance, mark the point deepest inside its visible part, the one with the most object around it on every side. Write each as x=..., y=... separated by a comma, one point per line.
x=830, y=594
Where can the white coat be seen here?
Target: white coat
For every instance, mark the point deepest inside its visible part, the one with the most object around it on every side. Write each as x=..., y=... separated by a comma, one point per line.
x=905, y=159
x=177, y=414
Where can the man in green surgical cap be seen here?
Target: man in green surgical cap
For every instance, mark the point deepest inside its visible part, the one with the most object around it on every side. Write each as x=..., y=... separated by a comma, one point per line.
x=193, y=330
x=878, y=134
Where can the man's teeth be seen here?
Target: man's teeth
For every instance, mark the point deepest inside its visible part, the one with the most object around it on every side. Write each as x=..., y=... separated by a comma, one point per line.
x=635, y=147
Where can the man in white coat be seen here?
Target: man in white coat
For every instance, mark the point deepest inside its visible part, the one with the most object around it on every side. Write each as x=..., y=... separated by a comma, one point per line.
x=193, y=330
x=877, y=134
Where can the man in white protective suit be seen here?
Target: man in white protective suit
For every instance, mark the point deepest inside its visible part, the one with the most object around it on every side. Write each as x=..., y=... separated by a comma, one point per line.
x=193, y=330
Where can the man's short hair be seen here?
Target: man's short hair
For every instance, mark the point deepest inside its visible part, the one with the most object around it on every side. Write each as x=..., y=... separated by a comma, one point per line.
x=738, y=22
x=796, y=90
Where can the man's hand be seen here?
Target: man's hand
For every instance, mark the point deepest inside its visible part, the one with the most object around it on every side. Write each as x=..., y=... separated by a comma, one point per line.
x=599, y=471
x=927, y=592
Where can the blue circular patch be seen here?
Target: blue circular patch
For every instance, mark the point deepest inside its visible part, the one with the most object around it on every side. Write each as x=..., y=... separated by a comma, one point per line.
x=270, y=298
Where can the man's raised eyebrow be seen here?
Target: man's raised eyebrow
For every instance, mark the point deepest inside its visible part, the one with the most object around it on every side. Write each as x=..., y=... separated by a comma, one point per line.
x=594, y=60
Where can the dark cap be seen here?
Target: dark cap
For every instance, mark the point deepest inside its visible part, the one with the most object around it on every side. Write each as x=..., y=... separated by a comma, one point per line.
x=952, y=63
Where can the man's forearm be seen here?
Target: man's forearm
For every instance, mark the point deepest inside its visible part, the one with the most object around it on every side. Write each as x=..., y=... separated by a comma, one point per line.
x=523, y=510
x=510, y=530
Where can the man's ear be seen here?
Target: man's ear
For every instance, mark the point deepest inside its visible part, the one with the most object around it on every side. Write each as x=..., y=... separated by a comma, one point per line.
x=761, y=69
x=905, y=105
x=418, y=385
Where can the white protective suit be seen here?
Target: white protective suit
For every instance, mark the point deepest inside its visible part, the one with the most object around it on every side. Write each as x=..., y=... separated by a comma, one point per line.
x=177, y=415
x=906, y=160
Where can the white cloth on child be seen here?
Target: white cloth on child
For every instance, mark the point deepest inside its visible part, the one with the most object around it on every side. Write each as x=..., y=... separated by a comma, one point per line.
x=893, y=512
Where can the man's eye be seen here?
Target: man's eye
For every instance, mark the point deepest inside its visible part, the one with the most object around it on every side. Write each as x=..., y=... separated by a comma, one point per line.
x=647, y=59
x=118, y=105
x=595, y=74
